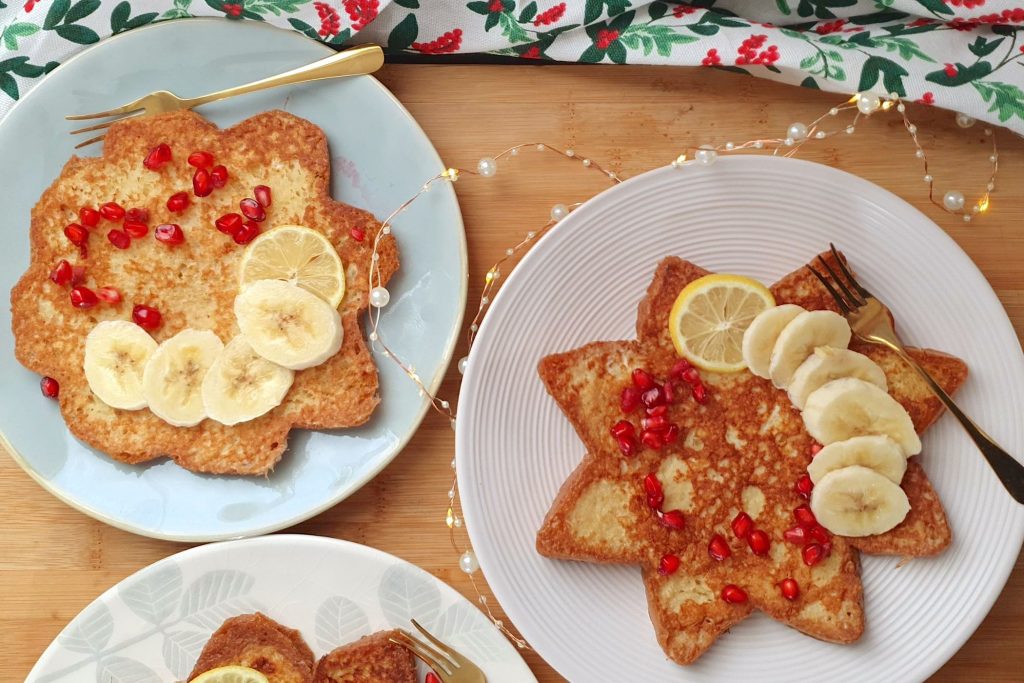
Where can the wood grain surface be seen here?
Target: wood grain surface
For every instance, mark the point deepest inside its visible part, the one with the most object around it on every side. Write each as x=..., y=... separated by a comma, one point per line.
x=56, y=560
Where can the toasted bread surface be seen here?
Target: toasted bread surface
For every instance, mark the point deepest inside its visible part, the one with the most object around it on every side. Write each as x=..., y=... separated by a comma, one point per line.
x=743, y=450
x=194, y=284
x=258, y=642
x=371, y=659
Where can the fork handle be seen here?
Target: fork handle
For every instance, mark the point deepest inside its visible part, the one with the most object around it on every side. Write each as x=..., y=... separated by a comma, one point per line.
x=1009, y=471
x=355, y=61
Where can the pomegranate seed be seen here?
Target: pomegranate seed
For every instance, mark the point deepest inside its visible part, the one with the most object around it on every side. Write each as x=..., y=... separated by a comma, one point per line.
x=651, y=439
x=229, y=223
x=673, y=519
x=83, y=297
x=700, y=393
x=681, y=366
x=818, y=534
x=178, y=202
x=734, y=594
x=742, y=524
x=119, y=239
x=169, y=233
x=201, y=184
x=77, y=275
x=137, y=216
x=718, y=548
x=219, y=176
x=796, y=535
x=657, y=411
x=653, y=397
x=652, y=486
x=247, y=233
x=804, y=516
x=61, y=273
x=623, y=428
x=669, y=388
x=815, y=449
x=109, y=294
x=146, y=317
x=51, y=389
x=655, y=501
x=89, y=217
x=759, y=542
x=157, y=157
x=669, y=565
x=804, y=486
x=358, y=234
x=252, y=210
x=262, y=195
x=112, y=211
x=200, y=159
x=642, y=379
x=627, y=445
x=630, y=398
x=690, y=375
x=657, y=423
x=135, y=229
x=431, y=677
x=813, y=553
x=671, y=434
x=76, y=234
x=790, y=589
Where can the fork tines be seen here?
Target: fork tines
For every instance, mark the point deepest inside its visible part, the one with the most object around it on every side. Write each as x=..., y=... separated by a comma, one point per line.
x=853, y=295
x=441, y=659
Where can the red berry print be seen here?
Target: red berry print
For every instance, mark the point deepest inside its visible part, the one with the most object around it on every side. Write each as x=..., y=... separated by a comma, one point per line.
x=361, y=12
x=927, y=98
x=711, y=58
x=680, y=11
x=748, y=51
x=605, y=37
x=50, y=387
x=447, y=43
x=550, y=16
x=496, y=6
x=830, y=27
x=951, y=70
x=532, y=53
x=232, y=10
x=330, y=20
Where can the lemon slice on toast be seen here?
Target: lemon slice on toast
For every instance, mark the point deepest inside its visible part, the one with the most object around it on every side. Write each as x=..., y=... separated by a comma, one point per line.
x=711, y=314
x=299, y=255
x=231, y=674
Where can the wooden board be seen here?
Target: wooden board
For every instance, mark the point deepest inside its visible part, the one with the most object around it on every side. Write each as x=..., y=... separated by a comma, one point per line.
x=55, y=560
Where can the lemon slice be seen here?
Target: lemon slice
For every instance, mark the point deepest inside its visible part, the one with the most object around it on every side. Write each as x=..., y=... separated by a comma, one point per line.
x=709, y=318
x=231, y=674
x=298, y=255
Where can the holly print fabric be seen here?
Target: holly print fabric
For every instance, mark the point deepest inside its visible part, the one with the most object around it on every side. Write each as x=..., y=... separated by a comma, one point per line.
x=964, y=55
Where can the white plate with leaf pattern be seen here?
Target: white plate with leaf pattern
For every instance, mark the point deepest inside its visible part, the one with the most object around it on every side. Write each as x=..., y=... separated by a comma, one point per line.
x=151, y=626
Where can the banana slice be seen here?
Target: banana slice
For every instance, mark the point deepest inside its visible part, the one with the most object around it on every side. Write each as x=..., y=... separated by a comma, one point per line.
x=173, y=380
x=876, y=452
x=759, y=339
x=798, y=339
x=116, y=352
x=241, y=385
x=288, y=325
x=849, y=407
x=828, y=363
x=857, y=501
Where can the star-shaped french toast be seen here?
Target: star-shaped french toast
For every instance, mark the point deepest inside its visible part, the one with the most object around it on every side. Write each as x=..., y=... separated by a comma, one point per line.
x=741, y=449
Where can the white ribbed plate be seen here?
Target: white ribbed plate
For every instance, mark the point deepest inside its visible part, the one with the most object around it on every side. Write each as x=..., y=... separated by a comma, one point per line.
x=763, y=217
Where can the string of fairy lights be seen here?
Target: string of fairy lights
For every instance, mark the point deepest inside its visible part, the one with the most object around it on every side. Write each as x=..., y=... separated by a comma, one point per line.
x=863, y=105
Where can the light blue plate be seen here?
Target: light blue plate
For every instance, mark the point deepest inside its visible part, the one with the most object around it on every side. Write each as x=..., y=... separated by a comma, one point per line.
x=380, y=157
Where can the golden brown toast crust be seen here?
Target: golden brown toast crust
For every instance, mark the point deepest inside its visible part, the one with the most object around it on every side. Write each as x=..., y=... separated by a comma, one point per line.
x=748, y=436
x=371, y=659
x=258, y=642
x=194, y=284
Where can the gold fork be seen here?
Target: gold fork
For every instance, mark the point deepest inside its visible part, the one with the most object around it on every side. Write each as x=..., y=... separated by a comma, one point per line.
x=871, y=322
x=355, y=61
x=449, y=665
